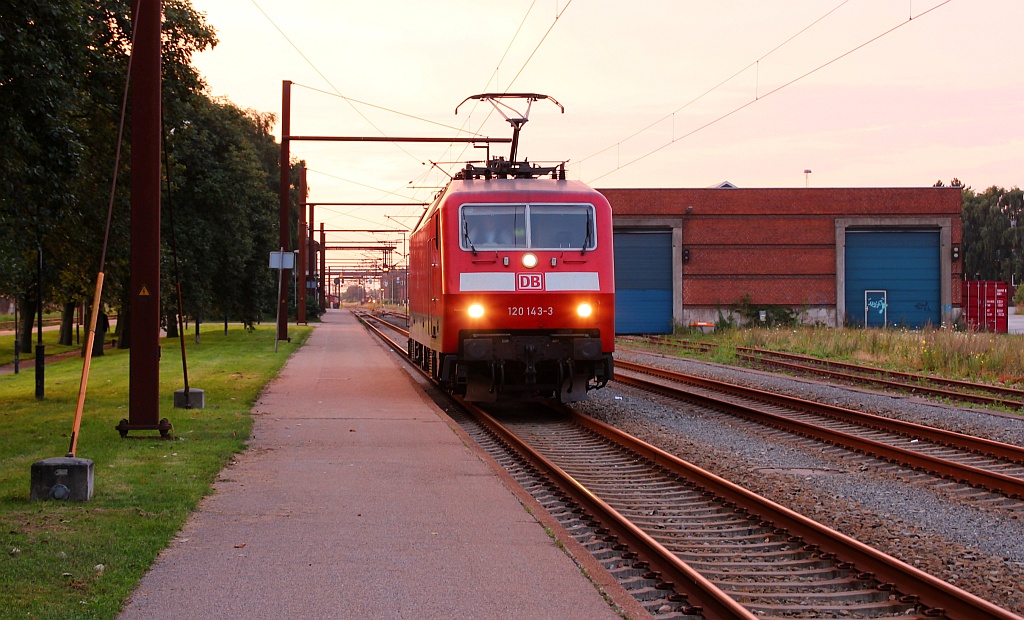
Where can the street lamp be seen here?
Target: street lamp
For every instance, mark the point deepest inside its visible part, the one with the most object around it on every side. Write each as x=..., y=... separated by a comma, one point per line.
x=807, y=178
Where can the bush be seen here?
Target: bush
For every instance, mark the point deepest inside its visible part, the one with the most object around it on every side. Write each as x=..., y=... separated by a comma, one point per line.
x=774, y=316
x=313, y=309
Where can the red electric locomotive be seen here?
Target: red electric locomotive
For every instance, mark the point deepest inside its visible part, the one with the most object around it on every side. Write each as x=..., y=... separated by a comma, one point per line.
x=512, y=285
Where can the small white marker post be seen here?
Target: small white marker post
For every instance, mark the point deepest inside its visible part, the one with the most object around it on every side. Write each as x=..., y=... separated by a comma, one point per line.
x=280, y=260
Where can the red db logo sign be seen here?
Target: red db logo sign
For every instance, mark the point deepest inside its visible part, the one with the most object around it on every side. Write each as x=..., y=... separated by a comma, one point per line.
x=529, y=282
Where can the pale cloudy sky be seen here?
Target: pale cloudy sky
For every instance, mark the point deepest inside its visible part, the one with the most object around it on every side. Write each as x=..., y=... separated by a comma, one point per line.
x=646, y=87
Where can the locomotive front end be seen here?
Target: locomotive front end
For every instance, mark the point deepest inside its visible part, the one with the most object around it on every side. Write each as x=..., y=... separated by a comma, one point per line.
x=530, y=291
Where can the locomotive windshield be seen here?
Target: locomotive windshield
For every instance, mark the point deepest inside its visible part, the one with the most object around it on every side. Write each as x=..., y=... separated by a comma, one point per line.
x=533, y=226
x=493, y=226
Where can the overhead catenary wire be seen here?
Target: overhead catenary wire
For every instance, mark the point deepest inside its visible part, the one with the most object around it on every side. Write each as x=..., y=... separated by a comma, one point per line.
x=350, y=213
x=328, y=81
x=494, y=78
x=338, y=178
x=508, y=48
x=352, y=102
x=558, y=15
x=757, y=97
x=385, y=109
x=707, y=92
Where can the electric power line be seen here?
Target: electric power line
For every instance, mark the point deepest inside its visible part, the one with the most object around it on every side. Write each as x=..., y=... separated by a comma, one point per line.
x=386, y=109
x=325, y=79
x=756, y=96
x=716, y=86
x=558, y=15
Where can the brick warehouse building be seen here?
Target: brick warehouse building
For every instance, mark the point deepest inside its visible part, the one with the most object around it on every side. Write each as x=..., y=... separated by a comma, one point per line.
x=844, y=256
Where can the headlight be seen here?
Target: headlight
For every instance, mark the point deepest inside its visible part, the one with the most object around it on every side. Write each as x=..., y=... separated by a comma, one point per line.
x=476, y=311
x=529, y=260
x=584, y=310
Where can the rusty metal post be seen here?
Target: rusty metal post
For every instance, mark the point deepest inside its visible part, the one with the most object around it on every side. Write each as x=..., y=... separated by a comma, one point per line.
x=286, y=181
x=323, y=267
x=144, y=364
x=303, y=262
x=311, y=241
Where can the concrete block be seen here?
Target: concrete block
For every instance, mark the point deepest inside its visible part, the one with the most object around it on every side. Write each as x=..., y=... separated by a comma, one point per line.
x=63, y=478
x=196, y=399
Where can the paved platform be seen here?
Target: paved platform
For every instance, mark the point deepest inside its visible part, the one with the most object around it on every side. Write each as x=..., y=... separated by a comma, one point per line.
x=358, y=498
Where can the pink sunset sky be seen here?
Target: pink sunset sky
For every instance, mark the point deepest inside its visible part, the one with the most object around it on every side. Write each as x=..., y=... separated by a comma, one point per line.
x=657, y=93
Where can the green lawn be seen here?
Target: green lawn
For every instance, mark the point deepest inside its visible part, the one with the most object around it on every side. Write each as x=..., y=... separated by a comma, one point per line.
x=81, y=560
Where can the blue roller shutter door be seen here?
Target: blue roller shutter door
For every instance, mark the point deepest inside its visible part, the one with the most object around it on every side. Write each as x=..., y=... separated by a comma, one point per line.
x=898, y=273
x=643, y=282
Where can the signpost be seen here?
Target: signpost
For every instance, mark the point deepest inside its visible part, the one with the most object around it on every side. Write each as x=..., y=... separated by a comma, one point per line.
x=281, y=261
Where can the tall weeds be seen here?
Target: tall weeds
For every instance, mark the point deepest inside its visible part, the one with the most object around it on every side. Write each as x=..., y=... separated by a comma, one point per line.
x=996, y=358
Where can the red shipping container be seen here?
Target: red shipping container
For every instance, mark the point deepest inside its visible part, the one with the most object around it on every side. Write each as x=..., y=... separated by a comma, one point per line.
x=985, y=304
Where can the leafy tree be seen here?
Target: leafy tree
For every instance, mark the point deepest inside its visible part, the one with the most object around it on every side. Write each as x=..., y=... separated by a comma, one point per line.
x=993, y=234
x=354, y=293
x=1010, y=260
x=63, y=67
x=62, y=73
x=225, y=211
x=42, y=55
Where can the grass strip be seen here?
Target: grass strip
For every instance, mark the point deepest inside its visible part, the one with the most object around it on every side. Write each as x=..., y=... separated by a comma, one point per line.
x=971, y=356
x=82, y=560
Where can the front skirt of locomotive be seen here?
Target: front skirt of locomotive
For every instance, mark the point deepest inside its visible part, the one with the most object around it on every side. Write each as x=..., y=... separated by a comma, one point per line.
x=497, y=366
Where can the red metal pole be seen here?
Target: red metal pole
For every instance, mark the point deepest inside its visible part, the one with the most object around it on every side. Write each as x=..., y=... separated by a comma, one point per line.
x=311, y=241
x=323, y=266
x=144, y=364
x=286, y=104
x=300, y=295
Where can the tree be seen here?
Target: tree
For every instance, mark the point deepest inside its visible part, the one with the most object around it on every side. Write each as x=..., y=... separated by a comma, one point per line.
x=62, y=73
x=225, y=211
x=354, y=293
x=42, y=55
x=63, y=66
x=993, y=234
x=1011, y=257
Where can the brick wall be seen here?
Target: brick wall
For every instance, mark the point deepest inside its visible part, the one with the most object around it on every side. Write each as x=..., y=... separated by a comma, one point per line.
x=775, y=245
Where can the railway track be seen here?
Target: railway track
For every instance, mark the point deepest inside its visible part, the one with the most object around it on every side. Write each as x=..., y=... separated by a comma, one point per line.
x=938, y=387
x=683, y=520
x=981, y=469
x=690, y=544
x=918, y=384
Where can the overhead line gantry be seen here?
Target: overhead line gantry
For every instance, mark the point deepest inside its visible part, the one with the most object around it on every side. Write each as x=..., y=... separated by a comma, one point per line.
x=285, y=181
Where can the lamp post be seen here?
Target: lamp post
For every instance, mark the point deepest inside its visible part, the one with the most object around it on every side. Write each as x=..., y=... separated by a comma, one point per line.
x=807, y=178
x=17, y=340
x=40, y=347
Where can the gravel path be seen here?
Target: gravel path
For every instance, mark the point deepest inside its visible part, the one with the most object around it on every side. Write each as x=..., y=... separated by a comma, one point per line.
x=979, y=549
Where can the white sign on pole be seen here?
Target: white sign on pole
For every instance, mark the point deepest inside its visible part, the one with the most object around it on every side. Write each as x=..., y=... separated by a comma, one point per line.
x=282, y=260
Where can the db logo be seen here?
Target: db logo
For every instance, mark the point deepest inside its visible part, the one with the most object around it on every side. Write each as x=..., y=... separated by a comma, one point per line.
x=529, y=282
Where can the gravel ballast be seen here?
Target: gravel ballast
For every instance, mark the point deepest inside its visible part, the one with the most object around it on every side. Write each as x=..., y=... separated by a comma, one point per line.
x=978, y=548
